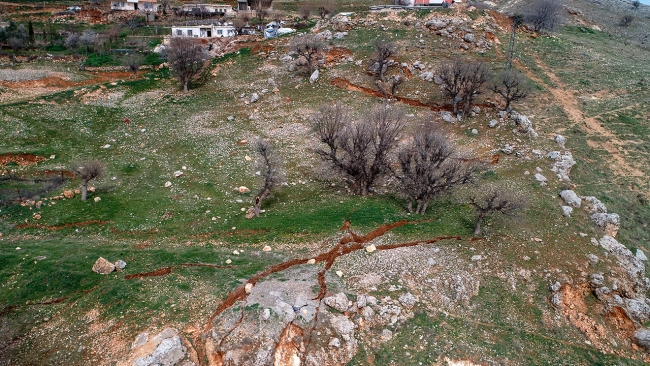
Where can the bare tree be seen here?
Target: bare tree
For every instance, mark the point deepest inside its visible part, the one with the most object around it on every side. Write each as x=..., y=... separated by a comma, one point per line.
x=626, y=20
x=88, y=39
x=492, y=199
x=88, y=171
x=16, y=44
x=430, y=165
x=463, y=82
x=305, y=12
x=261, y=8
x=309, y=47
x=133, y=61
x=325, y=8
x=270, y=168
x=133, y=23
x=511, y=86
x=384, y=51
x=544, y=15
x=164, y=4
x=636, y=4
x=186, y=58
x=362, y=150
x=72, y=41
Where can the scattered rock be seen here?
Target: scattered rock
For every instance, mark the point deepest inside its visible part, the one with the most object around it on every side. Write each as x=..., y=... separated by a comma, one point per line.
x=571, y=198
x=474, y=131
x=508, y=149
x=120, y=265
x=342, y=325
x=641, y=255
x=243, y=190
x=562, y=165
x=567, y=211
x=334, y=343
x=339, y=302
x=436, y=23
x=266, y=248
x=386, y=335
x=255, y=97
x=561, y=140
x=426, y=76
x=609, y=223
x=178, y=173
x=311, y=261
x=314, y=77
x=493, y=123
x=594, y=205
x=169, y=352
x=68, y=194
x=593, y=258
x=248, y=288
x=97, y=199
x=642, y=338
x=541, y=179
x=408, y=300
x=140, y=340
x=102, y=266
x=371, y=248
x=469, y=38
x=168, y=184
x=447, y=117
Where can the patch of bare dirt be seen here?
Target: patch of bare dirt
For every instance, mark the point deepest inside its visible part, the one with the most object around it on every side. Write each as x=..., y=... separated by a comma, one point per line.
x=21, y=159
x=573, y=307
x=337, y=54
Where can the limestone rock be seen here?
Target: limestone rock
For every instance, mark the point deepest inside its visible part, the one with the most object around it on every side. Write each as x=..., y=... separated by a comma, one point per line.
x=255, y=97
x=68, y=194
x=562, y=165
x=609, y=223
x=168, y=353
x=168, y=184
x=642, y=338
x=408, y=300
x=266, y=248
x=571, y=198
x=243, y=189
x=561, y=140
x=469, y=38
x=436, y=23
x=314, y=77
x=594, y=205
x=334, y=343
x=493, y=123
x=342, y=325
x=641, y=255
x=248, y=288
x=541, y=179
x=97, y=199
x=567, y=211
x=120, y=265
x=371, y=248
x=102, y=266
x=178, y=173
x=339, y=302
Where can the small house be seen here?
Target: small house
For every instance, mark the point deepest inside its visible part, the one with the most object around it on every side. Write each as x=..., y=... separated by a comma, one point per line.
x=204, y=31
x=148, y=6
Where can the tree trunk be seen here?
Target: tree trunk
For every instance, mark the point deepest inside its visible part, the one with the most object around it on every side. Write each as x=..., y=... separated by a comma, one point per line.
x=477, y=229
x=84, y=190
x=185, y=86
x=424, y=207
x=259, y=198
x=410, y=207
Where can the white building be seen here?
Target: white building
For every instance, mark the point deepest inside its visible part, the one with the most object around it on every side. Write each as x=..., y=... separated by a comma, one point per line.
x=204, y=31
x=149, y=6
x=212, y=9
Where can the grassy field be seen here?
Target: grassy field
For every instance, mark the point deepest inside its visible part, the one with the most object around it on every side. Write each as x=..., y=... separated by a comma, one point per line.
x=200, y=219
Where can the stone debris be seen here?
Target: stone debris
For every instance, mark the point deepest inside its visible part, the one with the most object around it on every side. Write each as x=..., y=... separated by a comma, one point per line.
x=266, y=248
x=339, y=302
x=243, y=190
x=571, y=198
x=609, y=223
x=168, y=184
x=567, y=211
x=314, y=76
x=255, y=97
x=641, y=255
x=120, y=265
x=562, y=165
x=102, y=266
x=178, y=173
x=541, y=179
x=371, y=248
x=248, y=288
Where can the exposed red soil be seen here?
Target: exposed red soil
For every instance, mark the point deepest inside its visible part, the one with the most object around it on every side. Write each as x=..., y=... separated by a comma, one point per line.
x=58, y=82
x=574, y=308
x=619, y=318
x=59, y=227
x=337, y=54
x=167, y=270
x=20, y=159
x=344, y=84
x=11, y=308
x=503, y=21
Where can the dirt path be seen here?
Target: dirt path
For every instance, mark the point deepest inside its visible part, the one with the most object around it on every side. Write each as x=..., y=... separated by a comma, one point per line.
x=567, y=99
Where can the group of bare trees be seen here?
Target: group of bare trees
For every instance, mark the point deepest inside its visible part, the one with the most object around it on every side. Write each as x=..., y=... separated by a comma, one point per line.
x=186, y=59
x=309, y=49
x=369, y=149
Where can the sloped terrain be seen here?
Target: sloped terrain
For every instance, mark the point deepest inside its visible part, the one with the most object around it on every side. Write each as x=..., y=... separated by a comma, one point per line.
x=323, y=276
